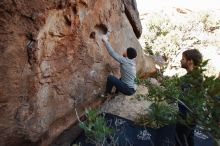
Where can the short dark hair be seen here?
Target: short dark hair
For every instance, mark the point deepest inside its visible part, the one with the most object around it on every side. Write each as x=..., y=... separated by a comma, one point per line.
x=131, y=53
x=194, y=55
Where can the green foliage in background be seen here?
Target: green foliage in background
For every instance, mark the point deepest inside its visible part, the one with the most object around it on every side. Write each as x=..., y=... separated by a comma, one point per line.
x=168, y=33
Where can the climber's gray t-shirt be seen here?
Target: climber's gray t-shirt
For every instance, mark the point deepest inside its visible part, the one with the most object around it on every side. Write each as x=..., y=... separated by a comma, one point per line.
x=127, y=67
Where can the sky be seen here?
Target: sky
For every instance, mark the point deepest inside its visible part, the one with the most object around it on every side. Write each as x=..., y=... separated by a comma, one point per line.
x=155, y=5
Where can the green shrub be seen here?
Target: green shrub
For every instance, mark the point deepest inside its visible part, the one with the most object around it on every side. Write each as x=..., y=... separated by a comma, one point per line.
x=159, y=114
x=202, y=99
x=95, y=127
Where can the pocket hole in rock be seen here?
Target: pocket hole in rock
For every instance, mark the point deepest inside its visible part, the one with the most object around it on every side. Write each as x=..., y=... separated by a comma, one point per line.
x=92, y=35
x=101, y=29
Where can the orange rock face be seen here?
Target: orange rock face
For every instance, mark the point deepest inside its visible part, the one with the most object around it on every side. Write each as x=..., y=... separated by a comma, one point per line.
x=53, y=61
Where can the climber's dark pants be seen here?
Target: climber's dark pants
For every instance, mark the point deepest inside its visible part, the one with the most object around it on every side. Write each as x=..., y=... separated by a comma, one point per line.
x=112, y=81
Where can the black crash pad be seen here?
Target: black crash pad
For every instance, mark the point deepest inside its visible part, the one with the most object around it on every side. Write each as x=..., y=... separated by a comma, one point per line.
x=127, y=133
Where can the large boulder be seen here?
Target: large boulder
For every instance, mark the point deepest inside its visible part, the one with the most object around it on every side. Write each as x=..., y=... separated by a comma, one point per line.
x=53, y=61
x=129, y=107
